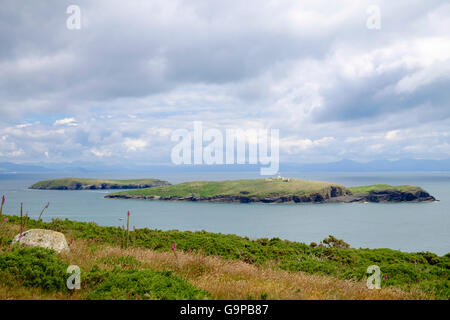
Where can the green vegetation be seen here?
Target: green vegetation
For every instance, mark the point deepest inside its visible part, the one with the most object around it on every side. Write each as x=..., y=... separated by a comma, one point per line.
x=259, y=188
x=33, y=267
x=143, y=285
x=41, y=268
x=423, y=271
x=77, y=183
x=383, y=187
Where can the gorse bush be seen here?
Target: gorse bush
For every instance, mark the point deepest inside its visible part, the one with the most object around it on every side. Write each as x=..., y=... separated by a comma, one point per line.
x=141, y=284
x=334, y=242
x=431, y=258
x=34, y=267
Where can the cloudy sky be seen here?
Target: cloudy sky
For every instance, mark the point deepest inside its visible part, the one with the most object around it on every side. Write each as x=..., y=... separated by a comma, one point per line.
x=114, y=90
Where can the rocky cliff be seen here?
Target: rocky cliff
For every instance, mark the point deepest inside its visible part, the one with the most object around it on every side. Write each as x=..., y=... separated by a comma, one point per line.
x=333, y=194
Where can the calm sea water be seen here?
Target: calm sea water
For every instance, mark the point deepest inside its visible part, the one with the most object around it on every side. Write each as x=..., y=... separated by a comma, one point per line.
x=405, y=226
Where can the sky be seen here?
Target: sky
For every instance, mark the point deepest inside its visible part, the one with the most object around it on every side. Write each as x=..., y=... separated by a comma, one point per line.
x=114, y=90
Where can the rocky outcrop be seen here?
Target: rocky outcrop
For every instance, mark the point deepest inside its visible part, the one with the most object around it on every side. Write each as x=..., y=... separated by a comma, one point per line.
x=386, y=196
x=42, y=238
x=103, y=186
x=98, y=186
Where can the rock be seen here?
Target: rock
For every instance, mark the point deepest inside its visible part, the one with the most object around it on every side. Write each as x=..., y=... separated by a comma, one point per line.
x=43, y=238
x=385, y=196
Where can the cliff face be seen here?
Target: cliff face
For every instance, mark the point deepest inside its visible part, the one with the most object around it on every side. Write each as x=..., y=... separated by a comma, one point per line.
x=386, y=196
x=79, y=186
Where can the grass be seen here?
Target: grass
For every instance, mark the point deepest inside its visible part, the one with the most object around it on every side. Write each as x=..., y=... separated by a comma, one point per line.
x=71, y=182
x=383, y=187
x=233, y=267
x=250, y=188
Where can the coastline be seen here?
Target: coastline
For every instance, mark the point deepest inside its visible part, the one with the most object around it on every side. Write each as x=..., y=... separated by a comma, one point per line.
x=96, y=184
x=333, y=195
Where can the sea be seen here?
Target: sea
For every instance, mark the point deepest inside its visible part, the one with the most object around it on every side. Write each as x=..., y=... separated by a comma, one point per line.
x=410, y=227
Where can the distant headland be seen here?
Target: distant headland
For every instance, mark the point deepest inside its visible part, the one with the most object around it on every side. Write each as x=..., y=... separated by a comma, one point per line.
x=276, y=190
x=93, y=184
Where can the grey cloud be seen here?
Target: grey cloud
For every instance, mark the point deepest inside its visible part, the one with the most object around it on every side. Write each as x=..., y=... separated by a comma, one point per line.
x=367, y=98
x=228, y=63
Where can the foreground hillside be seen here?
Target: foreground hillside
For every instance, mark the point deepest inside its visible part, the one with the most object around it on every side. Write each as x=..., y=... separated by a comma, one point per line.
x=91, y=184
x=275, y=191
x=201, y=265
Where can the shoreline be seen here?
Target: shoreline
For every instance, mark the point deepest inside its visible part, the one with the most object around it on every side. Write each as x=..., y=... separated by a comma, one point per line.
x=96, y=184
x=373, y=197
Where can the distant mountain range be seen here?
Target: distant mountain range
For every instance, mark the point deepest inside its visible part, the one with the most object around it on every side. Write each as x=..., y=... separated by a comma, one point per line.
x=339, y=166
x=372, y=166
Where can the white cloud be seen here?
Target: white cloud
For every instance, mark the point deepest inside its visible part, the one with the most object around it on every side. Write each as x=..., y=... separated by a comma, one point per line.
x=134, y=144
x=23, y=125
x=66, y=121
x=100, y=153
x=392, y=135
x=293, y=146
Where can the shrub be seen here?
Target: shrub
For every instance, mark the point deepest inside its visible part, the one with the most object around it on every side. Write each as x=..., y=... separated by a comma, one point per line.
x=334, y=243
x=144, y=284
x=430, y=257
x=35, y=267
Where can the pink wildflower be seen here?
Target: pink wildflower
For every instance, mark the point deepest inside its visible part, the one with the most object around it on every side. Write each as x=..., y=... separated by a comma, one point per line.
x=174, y=246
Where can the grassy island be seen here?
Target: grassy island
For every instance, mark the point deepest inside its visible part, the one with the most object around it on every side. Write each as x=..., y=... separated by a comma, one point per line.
x=276, y=190
x=261, y=188
x=86, y=184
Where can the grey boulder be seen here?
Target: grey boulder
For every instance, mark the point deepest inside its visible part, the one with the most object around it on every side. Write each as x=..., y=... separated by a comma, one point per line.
x=42, y=238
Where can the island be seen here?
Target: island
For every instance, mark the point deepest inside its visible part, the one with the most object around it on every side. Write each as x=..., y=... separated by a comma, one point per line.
x=276, y=190
x=93, y=184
